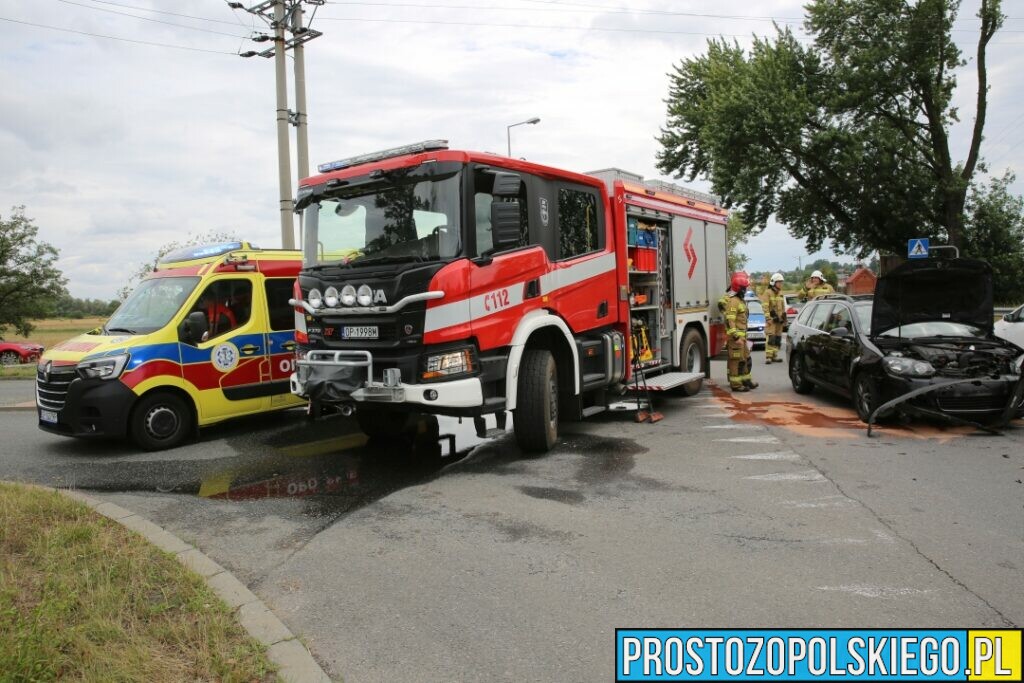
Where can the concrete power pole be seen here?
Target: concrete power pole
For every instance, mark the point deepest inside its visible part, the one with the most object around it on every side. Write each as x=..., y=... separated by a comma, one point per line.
x=283, y=152
x=281, y=16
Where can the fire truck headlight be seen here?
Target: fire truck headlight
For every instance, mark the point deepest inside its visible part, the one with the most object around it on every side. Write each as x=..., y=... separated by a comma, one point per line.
x=365, y=295
x=348, y=295
x=315, y=298
x=331, y=297
x=110, y=367
x=440, y=365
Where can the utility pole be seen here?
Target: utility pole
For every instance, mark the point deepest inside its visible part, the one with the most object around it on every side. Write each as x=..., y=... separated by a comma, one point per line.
x=282, y=16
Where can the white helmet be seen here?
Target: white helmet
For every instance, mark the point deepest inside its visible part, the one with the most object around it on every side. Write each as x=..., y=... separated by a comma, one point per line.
x=818, y=275
x=777, y=277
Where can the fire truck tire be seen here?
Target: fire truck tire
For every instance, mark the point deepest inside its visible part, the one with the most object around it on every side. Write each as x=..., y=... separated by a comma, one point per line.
x=536, y=415
x=382, y=424
x=161, y=420
x=693, y=354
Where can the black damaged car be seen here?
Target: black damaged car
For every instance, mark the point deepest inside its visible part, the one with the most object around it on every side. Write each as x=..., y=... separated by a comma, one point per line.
x=922, y=346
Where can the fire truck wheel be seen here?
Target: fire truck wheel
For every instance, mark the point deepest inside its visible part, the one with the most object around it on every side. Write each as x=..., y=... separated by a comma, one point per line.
x=694, y=358
x=382, y=424
x=536, y=416
x=160, y=420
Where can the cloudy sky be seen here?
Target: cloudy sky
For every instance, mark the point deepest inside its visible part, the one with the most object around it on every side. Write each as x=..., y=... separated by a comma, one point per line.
x=118, y=147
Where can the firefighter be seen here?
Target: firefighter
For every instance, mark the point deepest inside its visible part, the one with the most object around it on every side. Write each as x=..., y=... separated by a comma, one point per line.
x=816, y=287
x=738, y=365
x=776, y=324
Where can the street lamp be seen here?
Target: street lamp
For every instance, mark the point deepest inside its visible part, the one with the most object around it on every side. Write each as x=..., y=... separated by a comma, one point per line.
x=508, y=130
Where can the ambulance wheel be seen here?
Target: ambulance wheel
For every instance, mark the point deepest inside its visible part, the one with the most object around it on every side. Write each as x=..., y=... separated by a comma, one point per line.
x=160, y=420
x=693, y=354
x=536, y=415
x=382, y=424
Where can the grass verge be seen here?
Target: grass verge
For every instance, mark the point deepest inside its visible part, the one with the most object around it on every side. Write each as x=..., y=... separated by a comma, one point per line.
x=83, y=598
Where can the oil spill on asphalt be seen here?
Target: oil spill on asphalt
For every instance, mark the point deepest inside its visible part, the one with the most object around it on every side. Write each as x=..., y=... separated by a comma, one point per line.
x=823, y=422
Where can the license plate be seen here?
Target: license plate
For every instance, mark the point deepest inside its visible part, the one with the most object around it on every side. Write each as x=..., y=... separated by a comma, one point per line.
x=359, y=332
x=48, y=416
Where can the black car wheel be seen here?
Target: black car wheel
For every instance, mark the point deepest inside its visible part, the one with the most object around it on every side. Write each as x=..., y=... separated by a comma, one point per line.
x=161, y=420
x=866, y=398
x=798, y=375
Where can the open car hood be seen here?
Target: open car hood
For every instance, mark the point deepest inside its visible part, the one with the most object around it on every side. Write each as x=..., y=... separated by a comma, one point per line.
x=956, y=290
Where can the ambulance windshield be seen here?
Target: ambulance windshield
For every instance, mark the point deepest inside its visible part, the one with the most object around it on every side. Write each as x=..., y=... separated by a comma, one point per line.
x=151, y=306
x=400, y=217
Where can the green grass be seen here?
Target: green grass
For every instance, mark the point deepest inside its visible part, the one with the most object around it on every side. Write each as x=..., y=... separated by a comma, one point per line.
x=84, y=599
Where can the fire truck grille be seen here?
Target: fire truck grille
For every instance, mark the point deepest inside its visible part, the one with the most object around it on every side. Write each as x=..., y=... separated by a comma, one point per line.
x=52, y=391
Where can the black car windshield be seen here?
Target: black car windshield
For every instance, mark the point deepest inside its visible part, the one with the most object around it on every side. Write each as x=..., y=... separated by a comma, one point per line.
x=151, y=306
x=391, y=220
x=934, y=328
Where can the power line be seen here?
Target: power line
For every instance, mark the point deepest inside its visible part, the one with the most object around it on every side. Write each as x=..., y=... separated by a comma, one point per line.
x=156, y=21
x=536, y=26
x=125, y=40
x=158, y=11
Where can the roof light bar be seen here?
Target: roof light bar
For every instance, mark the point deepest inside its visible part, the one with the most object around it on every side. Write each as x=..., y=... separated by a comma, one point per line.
x=415, y=148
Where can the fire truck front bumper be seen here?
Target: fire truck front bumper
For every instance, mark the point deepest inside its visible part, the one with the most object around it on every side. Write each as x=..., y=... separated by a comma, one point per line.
x=345, y=377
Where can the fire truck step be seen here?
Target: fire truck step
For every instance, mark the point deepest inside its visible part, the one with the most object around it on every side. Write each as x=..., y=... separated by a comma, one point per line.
x=593, y=410
x=671, y=380
x=621, y=406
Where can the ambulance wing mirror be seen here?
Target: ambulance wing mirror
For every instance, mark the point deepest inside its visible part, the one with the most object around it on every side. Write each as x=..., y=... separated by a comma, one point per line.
x=193, y=328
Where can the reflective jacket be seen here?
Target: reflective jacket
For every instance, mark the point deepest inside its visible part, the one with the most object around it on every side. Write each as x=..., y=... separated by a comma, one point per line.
x=735, y=317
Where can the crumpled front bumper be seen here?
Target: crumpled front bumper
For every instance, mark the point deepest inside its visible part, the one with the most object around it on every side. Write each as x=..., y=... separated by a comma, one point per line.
x=338, y=377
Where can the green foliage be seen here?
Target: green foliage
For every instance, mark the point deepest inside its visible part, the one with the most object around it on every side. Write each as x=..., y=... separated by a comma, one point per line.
x=193, y=239
x=995, y=233
x=30, y=281
x=736, y=235
x=843, y=140
x=68, y=306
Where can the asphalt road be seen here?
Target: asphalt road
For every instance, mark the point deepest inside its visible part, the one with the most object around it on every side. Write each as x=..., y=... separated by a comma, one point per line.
x=758, y=509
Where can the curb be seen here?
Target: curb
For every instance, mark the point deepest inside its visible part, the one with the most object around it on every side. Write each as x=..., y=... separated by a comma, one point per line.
x=294, y=661
x=15, y=407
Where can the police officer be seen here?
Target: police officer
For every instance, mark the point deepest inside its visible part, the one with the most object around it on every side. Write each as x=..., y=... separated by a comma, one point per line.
x=776, y=324
x=816, y=287
x=738, y=364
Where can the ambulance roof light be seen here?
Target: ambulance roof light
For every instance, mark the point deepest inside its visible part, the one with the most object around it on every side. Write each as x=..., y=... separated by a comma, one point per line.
x=415, y=148
x=203, y=251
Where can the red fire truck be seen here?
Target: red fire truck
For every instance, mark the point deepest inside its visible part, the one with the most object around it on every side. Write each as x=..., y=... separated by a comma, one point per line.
x=469, y=284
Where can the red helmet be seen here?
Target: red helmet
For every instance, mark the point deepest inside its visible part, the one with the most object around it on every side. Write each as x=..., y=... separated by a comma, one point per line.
x=739, y=281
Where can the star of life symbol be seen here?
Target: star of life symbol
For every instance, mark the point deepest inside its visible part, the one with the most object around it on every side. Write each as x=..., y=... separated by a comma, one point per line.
x=225, y=357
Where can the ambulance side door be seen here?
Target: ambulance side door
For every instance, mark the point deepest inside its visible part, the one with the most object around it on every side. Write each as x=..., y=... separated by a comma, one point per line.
x=280, y=340
x=230, y=367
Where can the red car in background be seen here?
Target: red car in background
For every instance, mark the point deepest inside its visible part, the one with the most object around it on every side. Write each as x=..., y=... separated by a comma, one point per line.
x=12, y=353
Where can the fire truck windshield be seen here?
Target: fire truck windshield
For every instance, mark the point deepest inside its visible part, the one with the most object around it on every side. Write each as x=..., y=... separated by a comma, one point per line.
x=399, y=218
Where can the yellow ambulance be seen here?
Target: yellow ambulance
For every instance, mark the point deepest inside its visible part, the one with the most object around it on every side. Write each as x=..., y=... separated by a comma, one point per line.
x=209, y=335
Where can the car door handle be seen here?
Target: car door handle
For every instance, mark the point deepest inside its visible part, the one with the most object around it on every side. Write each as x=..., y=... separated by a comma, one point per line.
x=289, y=345
x=249, y=349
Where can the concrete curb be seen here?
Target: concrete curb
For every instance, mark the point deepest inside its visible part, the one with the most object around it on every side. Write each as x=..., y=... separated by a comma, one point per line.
x=15, y=407
x=294, y=662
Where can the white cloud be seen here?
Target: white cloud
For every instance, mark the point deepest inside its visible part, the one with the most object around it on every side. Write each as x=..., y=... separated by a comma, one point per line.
x=116, y=148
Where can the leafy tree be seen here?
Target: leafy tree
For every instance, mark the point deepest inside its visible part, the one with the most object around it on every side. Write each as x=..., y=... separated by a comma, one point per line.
x=846, y=139
x=736, y=235
x=193, y=239
x=995, y=233
x=30, y=281
x=68, y=306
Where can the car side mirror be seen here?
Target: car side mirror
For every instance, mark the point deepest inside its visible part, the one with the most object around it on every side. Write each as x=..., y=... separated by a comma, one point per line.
x=193, y=328
x=841, y=332
x=506, y=224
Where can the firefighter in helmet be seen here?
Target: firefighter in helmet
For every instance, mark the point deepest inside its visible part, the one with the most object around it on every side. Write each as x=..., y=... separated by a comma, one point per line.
x=736, y=335
x=816, y=287
x=776, y=324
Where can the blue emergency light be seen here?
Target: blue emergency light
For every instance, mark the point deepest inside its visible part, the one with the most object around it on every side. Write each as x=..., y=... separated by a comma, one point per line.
x=415, y=148
x=202, y=251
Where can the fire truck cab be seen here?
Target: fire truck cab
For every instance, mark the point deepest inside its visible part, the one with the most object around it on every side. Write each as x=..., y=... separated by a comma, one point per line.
x=466, y=284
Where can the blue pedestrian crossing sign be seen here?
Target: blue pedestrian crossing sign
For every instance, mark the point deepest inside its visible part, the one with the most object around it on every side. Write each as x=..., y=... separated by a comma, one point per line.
x=917, y=248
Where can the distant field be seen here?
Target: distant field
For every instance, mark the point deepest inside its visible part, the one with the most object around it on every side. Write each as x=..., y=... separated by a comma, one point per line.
x=48, y=333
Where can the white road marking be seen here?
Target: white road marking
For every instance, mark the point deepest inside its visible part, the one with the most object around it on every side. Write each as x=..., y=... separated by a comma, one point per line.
x=824, y=502
x=778, y=455
x=807, y=475
x=767, y=438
